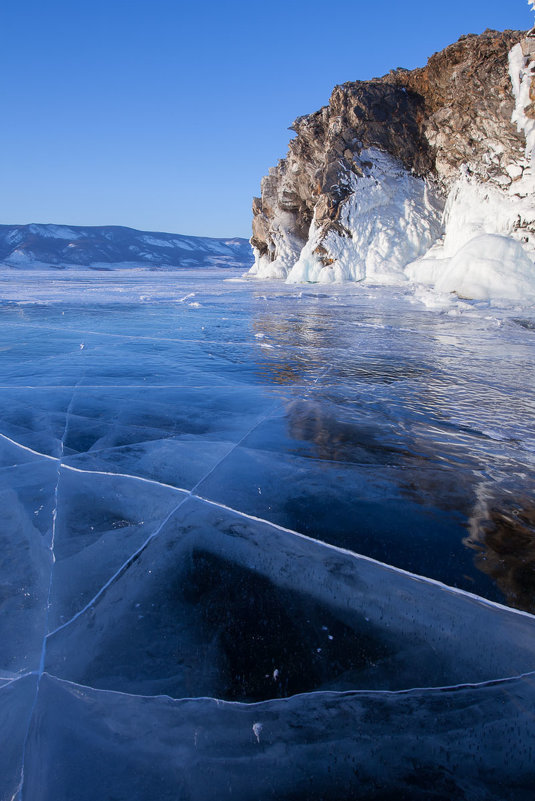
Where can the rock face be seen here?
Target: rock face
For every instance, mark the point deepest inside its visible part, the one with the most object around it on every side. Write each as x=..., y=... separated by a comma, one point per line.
x=395, y=165
x=468, y=103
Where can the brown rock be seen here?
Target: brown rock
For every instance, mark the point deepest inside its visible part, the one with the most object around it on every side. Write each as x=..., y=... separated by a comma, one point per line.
x=454, y=111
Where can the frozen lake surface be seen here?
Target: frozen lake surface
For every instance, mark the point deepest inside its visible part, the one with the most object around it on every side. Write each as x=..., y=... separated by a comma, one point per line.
x=258, y=541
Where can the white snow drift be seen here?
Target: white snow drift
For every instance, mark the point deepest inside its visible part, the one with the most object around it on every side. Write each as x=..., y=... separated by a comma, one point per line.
x=391, y=217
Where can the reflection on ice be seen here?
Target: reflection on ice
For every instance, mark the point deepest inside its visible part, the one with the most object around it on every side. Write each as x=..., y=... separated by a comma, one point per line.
x=165, y=446
x=502, y=532
x=413, y=519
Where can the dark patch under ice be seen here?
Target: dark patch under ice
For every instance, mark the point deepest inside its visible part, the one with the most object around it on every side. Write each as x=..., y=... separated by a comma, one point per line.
x=218, y=602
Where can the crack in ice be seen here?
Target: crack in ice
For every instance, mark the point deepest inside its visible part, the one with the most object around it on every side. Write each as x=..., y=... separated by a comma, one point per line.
x=191, y=493
x=13, y=679
x=26, y=448
x=250, y=343
x=286, y=699
x=188, y=494
x=130, y=337
x=145, y=480
x=40, y=672
x=219, y=387
x=364, y=558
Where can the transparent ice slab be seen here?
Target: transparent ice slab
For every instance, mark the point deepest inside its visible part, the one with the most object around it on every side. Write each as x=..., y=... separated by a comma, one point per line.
x=174, y=435
x=411, y=517
x=471, y=742
x=102, y=521
x=226, y=606
x=34, y=419
x=351, y=414
x=27, y=497
x=178, y=462
x=16, y=704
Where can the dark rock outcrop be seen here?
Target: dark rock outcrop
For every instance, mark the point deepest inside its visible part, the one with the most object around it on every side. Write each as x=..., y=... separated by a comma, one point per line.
x=468, y=104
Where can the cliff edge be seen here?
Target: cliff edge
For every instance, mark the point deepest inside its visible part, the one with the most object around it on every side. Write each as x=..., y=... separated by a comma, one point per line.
x=422, y=175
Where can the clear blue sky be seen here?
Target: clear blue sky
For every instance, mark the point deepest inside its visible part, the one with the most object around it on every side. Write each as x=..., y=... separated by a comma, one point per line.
x=164, y=115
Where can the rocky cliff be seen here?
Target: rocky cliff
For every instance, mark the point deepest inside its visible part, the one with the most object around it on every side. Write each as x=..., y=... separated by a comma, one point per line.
x=397, y=176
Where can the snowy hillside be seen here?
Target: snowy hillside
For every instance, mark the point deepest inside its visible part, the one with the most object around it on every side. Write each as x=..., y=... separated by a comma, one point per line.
x=111, y=247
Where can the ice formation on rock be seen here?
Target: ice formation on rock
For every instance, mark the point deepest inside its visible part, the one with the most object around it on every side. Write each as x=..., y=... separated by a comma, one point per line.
x=396, y=177
x=389, y=218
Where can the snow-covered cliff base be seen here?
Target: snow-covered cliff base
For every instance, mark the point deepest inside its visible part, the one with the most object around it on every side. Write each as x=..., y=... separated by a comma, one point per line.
x=445, y=199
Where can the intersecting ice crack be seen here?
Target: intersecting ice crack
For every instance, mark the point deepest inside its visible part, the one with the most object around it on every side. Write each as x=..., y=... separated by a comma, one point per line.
x=40, y=672
x=185, y=495
x=188, y=494
x=323, y=374
x=217, y=504
x=192, y=493
x=11, y=680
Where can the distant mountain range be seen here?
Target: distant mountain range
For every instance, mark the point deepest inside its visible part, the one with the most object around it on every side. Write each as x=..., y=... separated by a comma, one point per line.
x=113, y=247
